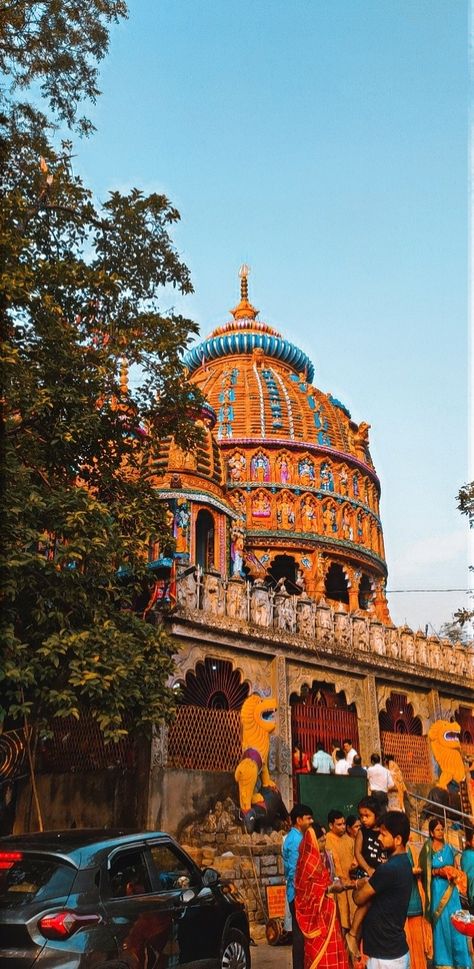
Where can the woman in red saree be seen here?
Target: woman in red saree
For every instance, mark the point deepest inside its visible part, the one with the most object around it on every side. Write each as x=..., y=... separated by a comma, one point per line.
x=315, y=910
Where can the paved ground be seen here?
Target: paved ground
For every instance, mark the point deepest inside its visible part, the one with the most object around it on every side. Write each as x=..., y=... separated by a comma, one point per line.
x=271, y=956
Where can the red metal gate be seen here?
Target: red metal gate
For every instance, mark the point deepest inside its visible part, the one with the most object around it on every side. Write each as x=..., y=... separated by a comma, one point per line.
x=313, y=722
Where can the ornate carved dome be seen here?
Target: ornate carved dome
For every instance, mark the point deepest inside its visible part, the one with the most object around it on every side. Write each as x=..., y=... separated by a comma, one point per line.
x=298, y=470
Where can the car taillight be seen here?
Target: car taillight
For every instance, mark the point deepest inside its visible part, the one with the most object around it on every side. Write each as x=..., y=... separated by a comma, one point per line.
x=62, y=925
x=8, y=859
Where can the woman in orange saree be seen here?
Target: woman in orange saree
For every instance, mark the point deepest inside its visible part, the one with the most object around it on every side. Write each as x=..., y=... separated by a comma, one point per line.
x=315, y=910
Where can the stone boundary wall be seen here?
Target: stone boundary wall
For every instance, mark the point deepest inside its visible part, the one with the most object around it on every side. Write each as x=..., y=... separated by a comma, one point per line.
x=249, y=861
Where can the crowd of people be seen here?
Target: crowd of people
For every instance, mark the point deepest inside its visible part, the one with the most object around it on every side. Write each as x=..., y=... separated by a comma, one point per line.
x=359, y=894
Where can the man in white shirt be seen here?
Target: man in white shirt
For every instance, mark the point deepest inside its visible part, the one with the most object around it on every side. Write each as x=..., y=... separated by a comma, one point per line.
x=342, y=765
x=349, y=751
x=380, y=781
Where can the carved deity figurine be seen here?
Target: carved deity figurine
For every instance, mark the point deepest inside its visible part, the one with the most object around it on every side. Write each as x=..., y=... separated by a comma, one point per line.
x=213, y=597
x=421, y=649
x=324, y=624
x=186, y=590
x=261, y=505
x=306, y=471
x=260, y=609
x=237, y=551
x=342, y=629
x=360, y=633
x=180, y=526
x=305, y=618
x=260, y=467
x=377, y=641
x=284, y=612
x=284, y=469
x=235, y=598
x=407, y=645
x=236, y=465
x=327, y=520
x=343, y=482
x=392, y=643
x=308, y=515
x=346, y=526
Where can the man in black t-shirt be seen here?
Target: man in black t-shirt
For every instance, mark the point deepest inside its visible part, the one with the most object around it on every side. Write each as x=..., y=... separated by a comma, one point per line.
x=388, y=891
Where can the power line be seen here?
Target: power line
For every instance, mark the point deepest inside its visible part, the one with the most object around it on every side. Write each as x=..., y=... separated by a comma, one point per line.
x=392, y=591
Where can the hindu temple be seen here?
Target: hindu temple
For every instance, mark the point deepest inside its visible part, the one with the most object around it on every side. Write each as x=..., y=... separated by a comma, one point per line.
x=275, y=586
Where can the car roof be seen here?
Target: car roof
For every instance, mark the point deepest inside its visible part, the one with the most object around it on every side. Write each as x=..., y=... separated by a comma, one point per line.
x=78, y=844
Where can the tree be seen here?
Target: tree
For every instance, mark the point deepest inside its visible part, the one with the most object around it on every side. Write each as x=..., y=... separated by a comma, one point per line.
x=80, y=284
x=466, y=507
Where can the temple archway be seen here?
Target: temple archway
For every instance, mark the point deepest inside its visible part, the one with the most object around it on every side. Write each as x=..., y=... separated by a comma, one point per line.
x=319, y=713
x=284, y=567
x=205, y=540
x=205, y=734
x=335, y=586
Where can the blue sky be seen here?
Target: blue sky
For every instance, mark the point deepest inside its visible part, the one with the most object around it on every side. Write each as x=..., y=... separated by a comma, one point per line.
x=324, y=142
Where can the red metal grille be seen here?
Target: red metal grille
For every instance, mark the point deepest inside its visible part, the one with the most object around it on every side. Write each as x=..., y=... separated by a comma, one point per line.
x=412, y=755
x=214, y=684
x=398, y=716
x=79, y=745
x=312, y=722
x=204, y=739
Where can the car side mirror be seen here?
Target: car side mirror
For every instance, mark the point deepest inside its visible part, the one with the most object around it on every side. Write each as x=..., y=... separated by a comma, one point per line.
x=187, y=896
x=210, y=877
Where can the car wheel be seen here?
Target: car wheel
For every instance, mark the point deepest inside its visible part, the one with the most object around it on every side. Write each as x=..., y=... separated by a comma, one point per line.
x=236, y=952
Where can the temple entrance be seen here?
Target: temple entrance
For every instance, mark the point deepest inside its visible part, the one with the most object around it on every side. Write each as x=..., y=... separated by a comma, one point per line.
x=205, y=540
x=283, y=567
x=335, y=586
x=318, y=713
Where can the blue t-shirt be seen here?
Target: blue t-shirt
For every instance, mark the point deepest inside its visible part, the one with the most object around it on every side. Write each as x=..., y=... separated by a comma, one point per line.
x=383, y=927
x=290, y=852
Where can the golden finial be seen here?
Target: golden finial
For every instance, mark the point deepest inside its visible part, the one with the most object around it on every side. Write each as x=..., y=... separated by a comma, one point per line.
x=244, y=285
x=244, y=310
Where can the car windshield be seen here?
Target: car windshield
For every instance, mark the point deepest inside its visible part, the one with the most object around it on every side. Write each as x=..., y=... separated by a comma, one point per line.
x=34, y=878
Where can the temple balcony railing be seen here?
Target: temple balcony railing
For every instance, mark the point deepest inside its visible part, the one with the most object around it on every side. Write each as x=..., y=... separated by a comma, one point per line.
x=318, y=625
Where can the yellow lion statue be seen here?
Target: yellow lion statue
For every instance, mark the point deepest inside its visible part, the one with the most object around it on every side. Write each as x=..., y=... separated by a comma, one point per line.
x=445, y=743
x=257, y=720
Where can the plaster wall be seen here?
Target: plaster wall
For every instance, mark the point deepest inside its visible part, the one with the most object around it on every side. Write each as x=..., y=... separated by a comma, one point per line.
x=178, y=797
x=106, y=798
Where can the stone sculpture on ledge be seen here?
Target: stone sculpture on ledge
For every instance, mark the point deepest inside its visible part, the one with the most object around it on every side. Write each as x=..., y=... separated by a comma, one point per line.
x=259, y=797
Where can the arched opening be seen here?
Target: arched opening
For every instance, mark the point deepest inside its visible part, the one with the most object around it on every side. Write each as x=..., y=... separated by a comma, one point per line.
x=284, y=567
x=205, y=540
x=365, y=592
x=336, y=584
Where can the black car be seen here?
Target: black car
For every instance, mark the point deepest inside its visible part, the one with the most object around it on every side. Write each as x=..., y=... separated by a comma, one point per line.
x=113, y=900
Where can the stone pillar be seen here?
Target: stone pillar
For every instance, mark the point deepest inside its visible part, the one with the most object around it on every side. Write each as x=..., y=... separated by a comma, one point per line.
x=368, y=716
x=283, y=753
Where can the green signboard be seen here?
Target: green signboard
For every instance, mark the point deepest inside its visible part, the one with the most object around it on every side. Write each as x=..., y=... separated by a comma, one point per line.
x=322, y=792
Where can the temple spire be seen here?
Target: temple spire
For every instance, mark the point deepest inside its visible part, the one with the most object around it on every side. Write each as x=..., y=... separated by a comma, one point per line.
x=244, y=310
